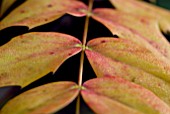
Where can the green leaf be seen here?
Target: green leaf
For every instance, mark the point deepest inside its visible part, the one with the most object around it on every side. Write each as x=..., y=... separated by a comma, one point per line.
x=145, y=9
x=5, y=5
x=142, y=30
x=28, y=57
x=45, y=99
x=34, y=13
x=121, y=57
x=114, y=95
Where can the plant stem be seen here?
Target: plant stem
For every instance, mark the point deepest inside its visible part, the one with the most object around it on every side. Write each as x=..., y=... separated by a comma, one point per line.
x=81, y=68
x=80, y=76
x=78, y=105
x=87, y=21
x=84, y=42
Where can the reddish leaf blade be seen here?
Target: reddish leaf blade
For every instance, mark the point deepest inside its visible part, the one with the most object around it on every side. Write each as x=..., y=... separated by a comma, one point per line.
x=132, y=54
x=114, y=95
x=103, y=105
x=120, y=57
x=5, y=5
x=46, y=99
x=145, y=9
x=143, y=30
x=34, y=13
x=28, y=57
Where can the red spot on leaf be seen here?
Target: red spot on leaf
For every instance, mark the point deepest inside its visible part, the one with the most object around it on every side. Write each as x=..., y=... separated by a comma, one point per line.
x=144, y=21
x=22, y=11
x=69, y=54
x=159, y=84
x=49, y=5
x=103, y=41
x=51, y=53
x=21, y=36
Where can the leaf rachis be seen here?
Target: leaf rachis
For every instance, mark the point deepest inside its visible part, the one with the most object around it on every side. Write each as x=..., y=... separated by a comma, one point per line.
x=82, y=53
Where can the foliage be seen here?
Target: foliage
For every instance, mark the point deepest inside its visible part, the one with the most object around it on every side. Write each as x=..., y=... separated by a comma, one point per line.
x=132, y=67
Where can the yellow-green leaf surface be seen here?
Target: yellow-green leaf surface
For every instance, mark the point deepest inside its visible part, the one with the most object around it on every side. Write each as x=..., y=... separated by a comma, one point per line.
x=45, y=99
x=5, y=5
x=145, y=9
x=121, y=57
x=34, y=13
x=114, y=95
x=143, y=30
x=28, y=57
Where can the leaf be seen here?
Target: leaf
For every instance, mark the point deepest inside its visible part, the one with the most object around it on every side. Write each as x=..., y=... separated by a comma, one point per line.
x=28, y=57
x=46, y=99
x=114, y=95
x=145, y=9
x=121, y=57
x=142, y=30
x=132, y=54
x=41, y=12
x=5, y=5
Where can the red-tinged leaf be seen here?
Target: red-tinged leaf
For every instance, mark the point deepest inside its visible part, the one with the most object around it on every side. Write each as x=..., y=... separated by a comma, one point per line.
x=120, y=57
x=145, y=9
x=45, y=99
x=28, y=57
x=114, y=95
x=34, y=13
x=5, y=5
x=143, y=30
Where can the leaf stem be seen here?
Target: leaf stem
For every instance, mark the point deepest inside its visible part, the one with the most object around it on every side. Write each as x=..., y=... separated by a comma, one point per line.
x=87, y=21
x=84, y=42
x=82, y=53
x=81, y=68
x=78, y=105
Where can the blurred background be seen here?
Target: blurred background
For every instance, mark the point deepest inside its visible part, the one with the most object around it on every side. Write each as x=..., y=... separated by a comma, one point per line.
x=162, y=3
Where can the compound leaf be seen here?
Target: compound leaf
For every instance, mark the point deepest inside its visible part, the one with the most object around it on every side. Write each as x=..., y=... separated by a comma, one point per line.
x=133, y=70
